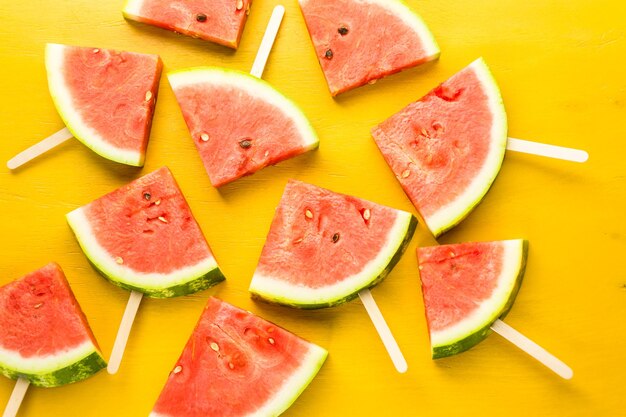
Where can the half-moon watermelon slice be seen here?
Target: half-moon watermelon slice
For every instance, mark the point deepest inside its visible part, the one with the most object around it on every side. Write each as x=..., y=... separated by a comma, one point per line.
x=466, y=288
x=324, y=247
x=237, y=364
x=44, y=335
x=447, y=148
x=106, y=98
x=361, y=41
x=238, y=122
x=143, y=237
x=219, y=21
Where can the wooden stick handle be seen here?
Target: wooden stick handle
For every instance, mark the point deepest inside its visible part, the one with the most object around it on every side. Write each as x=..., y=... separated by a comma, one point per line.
x=19, y=391
x=383, y=331
x=533, y=349
x=124, y=331
x=549, y=151
x=268, y=41
x=39, y=148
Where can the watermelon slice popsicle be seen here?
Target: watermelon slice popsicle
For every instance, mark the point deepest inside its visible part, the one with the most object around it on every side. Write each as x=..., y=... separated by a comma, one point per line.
x=467, y=289
x=143, y=237
x=325, y=248
x=447, y=148
x=106, y=99
x=45, y=339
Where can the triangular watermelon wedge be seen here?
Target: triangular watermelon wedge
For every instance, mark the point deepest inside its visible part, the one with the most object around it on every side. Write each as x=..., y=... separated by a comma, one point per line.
x=466, y=288
x=324, y=247
x=447, y=148
x=44, y=335
x=143, y=237
x=237, y=364
x=238, y=122
x=105, y=97
x=361, y=41
x=219, y=21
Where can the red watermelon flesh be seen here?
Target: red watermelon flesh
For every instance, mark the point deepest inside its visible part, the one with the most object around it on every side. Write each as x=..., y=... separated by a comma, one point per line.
x=239, y=123
x=219, y=21
x=323, y=247
x=237, y=364
x=105, y=97
x=144, y=234
x=446, y=148
x=360, y=41
x=466, y=287
x=42, y=326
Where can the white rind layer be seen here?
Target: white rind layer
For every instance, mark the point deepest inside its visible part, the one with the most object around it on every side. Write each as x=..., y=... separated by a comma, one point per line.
x=107, y=263
x=45, y=364
x=292, y=387
x=279, y=290
x=133, y=8
x=66, y=108
x=251, y=85
x=410, y=18
x=512, y=261
x=455, y=211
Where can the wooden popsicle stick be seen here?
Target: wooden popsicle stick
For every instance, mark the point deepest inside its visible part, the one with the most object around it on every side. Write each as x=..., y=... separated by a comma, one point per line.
x=383, y=331
x=135, y=297
x=19, y=391
x=124, y=331
x=550, y=151
x=533, y=349
x=39, y=148
x=268, y=41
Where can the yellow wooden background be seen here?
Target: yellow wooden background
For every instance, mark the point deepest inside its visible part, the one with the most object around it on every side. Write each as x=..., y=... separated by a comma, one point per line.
x=561, y=66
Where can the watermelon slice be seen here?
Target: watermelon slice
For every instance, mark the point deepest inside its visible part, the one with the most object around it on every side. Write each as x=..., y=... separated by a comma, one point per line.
x=466, y=287
x=106, y=98
x=143, y=237
x=238, y=122
x=219, y=21
x=360, y=41
x=447, y=148
x=44, y=335
x=324, y=247
x=237, y=364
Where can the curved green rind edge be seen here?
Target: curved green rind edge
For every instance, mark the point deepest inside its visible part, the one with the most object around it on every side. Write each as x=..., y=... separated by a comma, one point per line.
x=335, y=302
x=204, y=281
x=75, y=372
x=475, y=338
x=263, y=83
x=496, y=168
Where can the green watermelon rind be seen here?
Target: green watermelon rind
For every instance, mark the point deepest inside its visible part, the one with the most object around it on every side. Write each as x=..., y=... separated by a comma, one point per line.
x=254, y=85
x=62, y=369
x=275, y=291
x=472, y=336
x=191, y=279
x=63, y=102
x=444, y=220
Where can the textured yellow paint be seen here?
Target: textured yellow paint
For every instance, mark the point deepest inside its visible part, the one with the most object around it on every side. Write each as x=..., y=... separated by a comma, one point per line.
x=560, y=66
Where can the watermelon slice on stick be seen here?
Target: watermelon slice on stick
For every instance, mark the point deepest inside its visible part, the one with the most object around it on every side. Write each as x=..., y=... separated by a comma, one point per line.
x=237, y=364
x=325, y=248
x=144, y=238
x=44, y=336
x=360, y=41
x=467, y=289
x=447, y=148
x=106, y=99
x=240, y=123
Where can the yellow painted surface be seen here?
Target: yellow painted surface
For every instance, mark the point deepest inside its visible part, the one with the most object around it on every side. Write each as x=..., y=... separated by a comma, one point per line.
x=561, y=69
